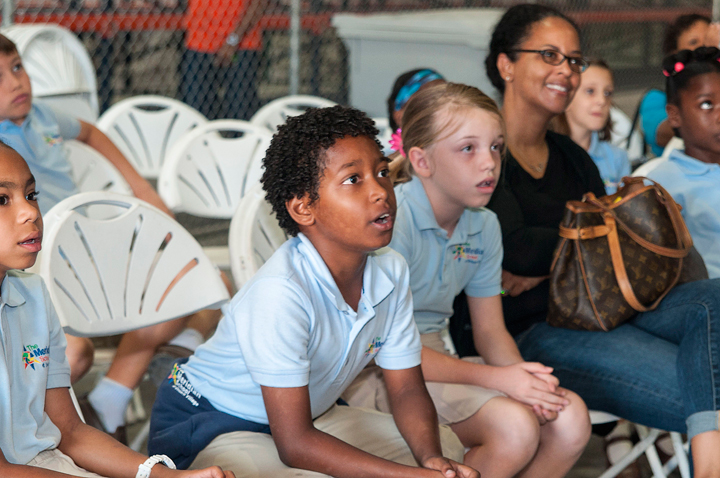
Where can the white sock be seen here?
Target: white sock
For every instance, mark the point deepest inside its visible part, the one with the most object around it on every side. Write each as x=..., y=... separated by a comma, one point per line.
x=110, y=399
x=188, y=338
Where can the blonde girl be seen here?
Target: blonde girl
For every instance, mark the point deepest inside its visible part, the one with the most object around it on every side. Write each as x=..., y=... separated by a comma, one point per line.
x=511, y=415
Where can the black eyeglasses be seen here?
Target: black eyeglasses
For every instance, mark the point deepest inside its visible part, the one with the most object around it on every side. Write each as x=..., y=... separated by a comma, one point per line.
x=577, y=64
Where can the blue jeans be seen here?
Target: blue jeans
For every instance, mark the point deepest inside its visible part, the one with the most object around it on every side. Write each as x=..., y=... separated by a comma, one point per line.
x=660, y=369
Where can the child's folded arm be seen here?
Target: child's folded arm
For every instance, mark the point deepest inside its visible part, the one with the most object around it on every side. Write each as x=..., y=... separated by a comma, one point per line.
x=301, y=445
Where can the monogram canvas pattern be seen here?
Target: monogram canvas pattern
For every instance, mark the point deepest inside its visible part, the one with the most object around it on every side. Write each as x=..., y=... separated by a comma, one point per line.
x=585, y=290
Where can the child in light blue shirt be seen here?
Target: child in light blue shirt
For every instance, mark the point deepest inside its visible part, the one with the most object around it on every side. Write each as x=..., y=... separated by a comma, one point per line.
x=511, y=415
x=315, y=314
x=588, y=119
x=41, y=430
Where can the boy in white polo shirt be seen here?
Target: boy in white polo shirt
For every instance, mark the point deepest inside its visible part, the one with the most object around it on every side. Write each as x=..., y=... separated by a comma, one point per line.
x=322, y=307
x=41, y=434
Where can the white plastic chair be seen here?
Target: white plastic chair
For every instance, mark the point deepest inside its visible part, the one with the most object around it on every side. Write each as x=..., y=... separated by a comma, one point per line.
x=674, y=143
x=59, y=67
x=254, y=236
x=278, y=111
x=646, y=445
x=111, y=276
x=207, y=172
x=621, y=125
x=91, y=171
x=144, y=128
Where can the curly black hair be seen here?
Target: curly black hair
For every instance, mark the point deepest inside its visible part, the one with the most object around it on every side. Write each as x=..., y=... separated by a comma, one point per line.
x=295, y=161
x=691, y=63
x=511, y=31
x=677, y=28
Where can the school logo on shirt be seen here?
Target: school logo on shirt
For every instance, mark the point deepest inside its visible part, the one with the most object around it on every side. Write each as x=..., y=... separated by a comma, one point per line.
x=183, y=386
x=33, y=355
x=53, y=139
x=467, y=253
x=374, y=346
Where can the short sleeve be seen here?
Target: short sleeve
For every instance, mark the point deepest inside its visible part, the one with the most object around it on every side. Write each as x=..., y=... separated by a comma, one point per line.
x=487, y=279
x=273, y=327
x=59, y=370
x=68, y=126
x=402, y=348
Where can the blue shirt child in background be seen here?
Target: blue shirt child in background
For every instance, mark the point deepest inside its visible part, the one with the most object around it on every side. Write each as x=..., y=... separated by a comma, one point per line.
x=692, y=176
x=40, y=428
x=588, y=120
x=321, y=308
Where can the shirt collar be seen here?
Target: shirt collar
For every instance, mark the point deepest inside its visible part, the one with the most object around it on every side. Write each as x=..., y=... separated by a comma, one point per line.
x=7, y=125
x=593, y=150
x=424, y=217
x=376, y=283
x=690, y=165
x=9, y=293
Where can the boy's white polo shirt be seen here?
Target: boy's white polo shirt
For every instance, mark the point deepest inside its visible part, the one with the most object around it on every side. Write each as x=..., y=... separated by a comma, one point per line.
x=39, y=140
x=33, y=361
x=442, y=267
x=290, y=327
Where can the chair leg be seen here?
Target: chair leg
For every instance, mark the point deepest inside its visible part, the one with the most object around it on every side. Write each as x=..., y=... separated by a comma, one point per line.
x=641, y=447
x=651, y=451
x=680, y=460
x=142, y=435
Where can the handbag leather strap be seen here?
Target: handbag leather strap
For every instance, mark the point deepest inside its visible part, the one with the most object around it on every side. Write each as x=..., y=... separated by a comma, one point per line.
x=682, y=234
x=621, y=273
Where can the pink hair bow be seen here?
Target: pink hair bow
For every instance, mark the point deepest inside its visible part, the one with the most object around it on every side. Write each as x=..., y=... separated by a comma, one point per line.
x=396, y=142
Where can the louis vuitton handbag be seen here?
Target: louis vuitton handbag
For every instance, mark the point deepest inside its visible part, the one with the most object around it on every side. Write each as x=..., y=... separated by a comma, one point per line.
x=617, y=255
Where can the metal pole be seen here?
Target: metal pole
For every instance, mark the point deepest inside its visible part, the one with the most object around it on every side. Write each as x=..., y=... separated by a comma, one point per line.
x=7, y=12
x=294, y=47
x=716, y=10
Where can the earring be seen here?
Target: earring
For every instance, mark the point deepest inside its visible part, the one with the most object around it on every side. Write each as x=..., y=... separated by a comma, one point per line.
x=507, y=78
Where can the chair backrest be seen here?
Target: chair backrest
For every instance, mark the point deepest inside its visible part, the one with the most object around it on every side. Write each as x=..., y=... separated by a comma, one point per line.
x=645, y=168
x=209, y=170
x=144, y=128
x=78, y=105
x=56, y=62
x=254, y=236
x=278, y=111
x=91, y=171
x=137, y=269
x=385, y=134
x=621, y=125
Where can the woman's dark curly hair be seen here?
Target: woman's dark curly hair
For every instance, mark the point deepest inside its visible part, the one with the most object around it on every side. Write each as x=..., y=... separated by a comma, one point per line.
x=691, y=63
x=677, y=28
x=511, y=31
x=295, y=161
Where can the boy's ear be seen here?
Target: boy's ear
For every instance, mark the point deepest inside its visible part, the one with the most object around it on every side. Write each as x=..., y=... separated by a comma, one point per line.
x=300, y=211
x=420, y=162
x=506, y=67
x=674, y=117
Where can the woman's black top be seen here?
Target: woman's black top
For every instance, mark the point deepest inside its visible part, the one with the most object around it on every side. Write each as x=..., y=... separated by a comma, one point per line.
x=530, y=211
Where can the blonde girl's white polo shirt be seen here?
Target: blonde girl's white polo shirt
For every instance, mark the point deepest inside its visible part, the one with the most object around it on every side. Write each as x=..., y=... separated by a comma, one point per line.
x=290, y=327
x=32, y=346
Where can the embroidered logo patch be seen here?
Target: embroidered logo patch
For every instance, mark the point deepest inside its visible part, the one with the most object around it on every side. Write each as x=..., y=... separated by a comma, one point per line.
x=374, y=346
x=34, y=355
x=467, y=253
x=53, y=139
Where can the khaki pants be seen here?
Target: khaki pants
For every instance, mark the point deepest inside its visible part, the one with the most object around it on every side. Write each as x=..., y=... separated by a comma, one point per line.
x=55, y=460
x=253, y=455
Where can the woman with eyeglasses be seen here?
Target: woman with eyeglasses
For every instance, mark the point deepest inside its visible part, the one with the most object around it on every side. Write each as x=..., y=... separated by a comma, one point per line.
x=661, y=368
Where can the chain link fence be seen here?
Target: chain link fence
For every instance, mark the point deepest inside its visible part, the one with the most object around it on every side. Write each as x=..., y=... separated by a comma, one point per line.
x=179, y=48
